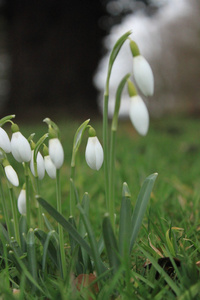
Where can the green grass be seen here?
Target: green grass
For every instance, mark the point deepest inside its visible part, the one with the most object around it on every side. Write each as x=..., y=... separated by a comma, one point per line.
x=171, y=223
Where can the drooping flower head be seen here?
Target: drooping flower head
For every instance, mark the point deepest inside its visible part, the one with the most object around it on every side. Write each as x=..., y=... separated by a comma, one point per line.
x=138, y=111
x=94, y=152
x=142, y=71
x=10, y=173
x=20, y=146
x=56, y=151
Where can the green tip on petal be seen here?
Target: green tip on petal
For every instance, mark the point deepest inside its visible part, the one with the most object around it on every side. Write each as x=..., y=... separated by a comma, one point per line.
x=134, y=48
x=131, y=89
x=14, y=128
x=91, y=132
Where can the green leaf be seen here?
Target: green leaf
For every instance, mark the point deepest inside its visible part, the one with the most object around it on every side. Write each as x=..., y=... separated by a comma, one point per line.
x=31, y=254
x=65, y=224
x=46, y=249
x=140, y=207
x=100, y=268
x=110, y=244
x=23, y=232
x=125, y=222
x=77, y=140
x=53, y=248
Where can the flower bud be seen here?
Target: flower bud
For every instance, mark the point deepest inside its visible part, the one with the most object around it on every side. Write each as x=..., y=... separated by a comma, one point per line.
x=56, y=152
x=11, y=175
x=40, y=165
x=4, y=141
x=20, y=147
x=143, y=75
x=21, y=202
x=139, y=115
x=94, y=153
x=49, y=167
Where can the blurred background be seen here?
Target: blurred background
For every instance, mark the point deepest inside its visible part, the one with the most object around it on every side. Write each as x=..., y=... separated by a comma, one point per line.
x=53, y=55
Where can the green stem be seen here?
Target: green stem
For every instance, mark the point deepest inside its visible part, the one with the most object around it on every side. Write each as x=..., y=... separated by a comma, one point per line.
x=105, y=145
x=5, y=211
x=14, y=212
x=60, y=229
x=39, y=208
x=111, y=183
x=72, y=200
x=28, y=209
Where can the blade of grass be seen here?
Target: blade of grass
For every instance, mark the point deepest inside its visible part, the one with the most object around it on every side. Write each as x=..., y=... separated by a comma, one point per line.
x=162, y=272
x=31, y=254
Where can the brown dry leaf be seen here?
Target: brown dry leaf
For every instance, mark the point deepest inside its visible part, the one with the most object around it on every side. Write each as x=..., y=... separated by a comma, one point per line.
x=85, y=281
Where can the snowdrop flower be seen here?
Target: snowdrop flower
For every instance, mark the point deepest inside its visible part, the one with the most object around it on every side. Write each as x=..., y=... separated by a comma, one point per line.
x=21, y=202
x=40, y=165
x=4, y=141
x=20, y=146
x=56, y=152
x=139, y=115
x=11, y=175
x=49, y=167
x=94, y=153
x=142, y=71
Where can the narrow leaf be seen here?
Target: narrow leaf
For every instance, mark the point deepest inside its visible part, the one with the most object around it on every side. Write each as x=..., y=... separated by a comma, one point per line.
x=110, y=244
x=31, y=253
x=125, y=222
x=65, y=224
x=140, y=207
x=93, y=243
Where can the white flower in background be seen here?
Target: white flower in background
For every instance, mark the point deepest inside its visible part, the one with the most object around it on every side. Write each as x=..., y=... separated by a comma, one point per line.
x=20, y=147
x=11, y=175
x=94, y=153
x=21, y=202
x=4, y=141
x=49, y=167
x=40, y=165
x=143, y=75
x=139, y=115
x=56, y=152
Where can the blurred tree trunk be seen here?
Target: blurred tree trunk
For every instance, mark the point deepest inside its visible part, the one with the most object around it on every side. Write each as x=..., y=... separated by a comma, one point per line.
x=54, y=47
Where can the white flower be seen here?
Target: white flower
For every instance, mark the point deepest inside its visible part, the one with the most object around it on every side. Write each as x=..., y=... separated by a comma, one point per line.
x=11, y=175
x=40, y=165
x=139, y=115
x=50, y=167
x=56, y=152
x=21, y=202
x=4, y=141
x=20, y=147
x=94, y=153
x=143, y=75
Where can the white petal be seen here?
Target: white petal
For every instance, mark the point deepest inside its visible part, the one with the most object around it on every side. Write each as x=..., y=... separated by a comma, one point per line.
x=139, y=115
x=11, y=175
x=143, y=75
x=20, y=147
x=40, y=165
x=56, y=152
x=50, y=167
x=21, y=202
x=94, y=153
x=4, y=141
